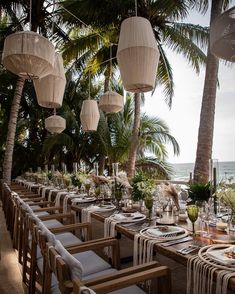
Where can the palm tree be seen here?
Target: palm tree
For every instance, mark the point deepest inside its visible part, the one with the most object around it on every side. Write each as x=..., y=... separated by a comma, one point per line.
x=154, y=134
x=206, y=127
x=18, y=14
x=164, y=16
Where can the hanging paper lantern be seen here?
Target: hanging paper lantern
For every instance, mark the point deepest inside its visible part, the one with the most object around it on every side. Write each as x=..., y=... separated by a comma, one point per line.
x=50, y=89
x=137, y=55
x=28, y=54
x=111, y=102
x=222, y=35
x=55, y=124
x=89, y=115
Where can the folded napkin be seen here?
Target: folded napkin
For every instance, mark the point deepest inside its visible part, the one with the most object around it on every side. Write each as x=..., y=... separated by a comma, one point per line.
x=119, y=217
x=219, y=255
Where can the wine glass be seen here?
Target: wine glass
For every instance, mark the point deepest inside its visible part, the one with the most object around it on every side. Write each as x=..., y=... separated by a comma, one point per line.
x=192, y=211
x=148, y=201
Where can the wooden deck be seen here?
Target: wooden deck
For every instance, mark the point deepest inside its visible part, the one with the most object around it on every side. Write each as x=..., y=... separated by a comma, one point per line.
x=10, y=270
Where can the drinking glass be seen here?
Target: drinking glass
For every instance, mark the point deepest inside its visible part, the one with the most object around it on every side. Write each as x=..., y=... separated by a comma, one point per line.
x=148, y=201
x=192, y=211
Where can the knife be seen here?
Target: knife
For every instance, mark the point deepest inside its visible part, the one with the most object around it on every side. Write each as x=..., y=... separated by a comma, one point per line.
x=186, y=239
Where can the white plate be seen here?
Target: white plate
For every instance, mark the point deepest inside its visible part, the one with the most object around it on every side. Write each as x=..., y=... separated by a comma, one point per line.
x=170, y=232
x=129, y=217
x=83, y=200
x=102, y=207
x=219, y=256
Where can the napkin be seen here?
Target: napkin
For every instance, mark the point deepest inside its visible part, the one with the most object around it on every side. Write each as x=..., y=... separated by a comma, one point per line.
x=219, y=256
x=119, y=217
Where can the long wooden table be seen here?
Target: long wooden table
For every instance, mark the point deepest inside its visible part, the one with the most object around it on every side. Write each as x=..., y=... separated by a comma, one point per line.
x=170, y=251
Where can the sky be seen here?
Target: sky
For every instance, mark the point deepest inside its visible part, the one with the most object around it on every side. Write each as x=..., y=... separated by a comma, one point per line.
x=183, y=118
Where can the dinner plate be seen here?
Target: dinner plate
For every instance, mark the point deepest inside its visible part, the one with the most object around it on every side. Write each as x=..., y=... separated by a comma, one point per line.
x=174, y=233
x=102, y=207
x=129, y=217
x=84, y=200
x=219, y=255
x=164, y=231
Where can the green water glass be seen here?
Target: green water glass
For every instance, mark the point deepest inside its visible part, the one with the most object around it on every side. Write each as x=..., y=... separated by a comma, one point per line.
x=192, y=211
x=148, y=201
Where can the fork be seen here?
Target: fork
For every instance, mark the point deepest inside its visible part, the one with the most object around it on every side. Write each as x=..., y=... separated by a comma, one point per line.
x=188, y=249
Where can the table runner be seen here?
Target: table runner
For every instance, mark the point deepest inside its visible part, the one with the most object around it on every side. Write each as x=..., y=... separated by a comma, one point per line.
x=200, y=274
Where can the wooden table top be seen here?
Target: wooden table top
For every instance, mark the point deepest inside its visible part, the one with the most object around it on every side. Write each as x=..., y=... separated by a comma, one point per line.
x=171, y=251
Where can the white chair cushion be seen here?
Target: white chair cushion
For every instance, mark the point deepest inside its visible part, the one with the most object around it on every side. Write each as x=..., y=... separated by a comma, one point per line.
x=91, y=262
x=67, y=239
x=53, y=223
x=75, y=266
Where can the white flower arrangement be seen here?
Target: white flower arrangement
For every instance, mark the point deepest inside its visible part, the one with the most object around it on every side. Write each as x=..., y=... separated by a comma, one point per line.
x=226, y=194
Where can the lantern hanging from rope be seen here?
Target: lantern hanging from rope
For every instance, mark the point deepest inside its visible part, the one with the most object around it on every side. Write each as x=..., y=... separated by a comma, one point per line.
x=111, y=101
x=222, y=35
x=55, y=123
x=89, y=115
x=50, y=89
x=137, y=55
x=28, y=54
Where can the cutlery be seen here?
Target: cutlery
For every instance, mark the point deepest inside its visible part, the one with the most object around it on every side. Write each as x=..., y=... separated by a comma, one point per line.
x=188, y=249
x=173, y=242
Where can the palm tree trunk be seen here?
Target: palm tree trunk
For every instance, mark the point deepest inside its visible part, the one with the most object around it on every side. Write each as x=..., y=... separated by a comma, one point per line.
x=7, y=163
x=206, y=127
x=134, y=138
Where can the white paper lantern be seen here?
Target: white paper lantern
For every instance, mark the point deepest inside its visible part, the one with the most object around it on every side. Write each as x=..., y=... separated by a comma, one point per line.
x=222, y=35
x=89, y=115
x=55, y=124
x=28, y=54
x=50, y=89
x=111, y=102
x=137, y=55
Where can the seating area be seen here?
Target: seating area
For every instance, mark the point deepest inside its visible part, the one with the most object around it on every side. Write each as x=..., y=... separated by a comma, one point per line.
x=58, y=255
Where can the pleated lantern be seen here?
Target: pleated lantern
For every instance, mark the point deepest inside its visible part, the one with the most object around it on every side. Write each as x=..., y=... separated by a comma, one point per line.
x=222, y=35
x=50, y=89
x=89, y=115
x=137, y=55
x=28, y=54
x=55, y=124
x=111, y=102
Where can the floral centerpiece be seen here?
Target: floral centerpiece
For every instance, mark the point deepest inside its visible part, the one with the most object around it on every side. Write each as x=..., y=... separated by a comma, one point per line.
x=226, y=195
x=119, y=182
x=76, y=179
x=67, y=179
x=143, y=189
x=170, y=191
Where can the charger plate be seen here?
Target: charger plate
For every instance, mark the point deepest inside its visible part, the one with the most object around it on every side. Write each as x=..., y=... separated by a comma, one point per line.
x=173, y=233
x=83, y=200
x=205, y=255
x=128, y=217
x=102, y=207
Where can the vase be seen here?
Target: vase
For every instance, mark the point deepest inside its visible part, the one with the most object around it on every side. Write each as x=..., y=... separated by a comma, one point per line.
x=232, y=222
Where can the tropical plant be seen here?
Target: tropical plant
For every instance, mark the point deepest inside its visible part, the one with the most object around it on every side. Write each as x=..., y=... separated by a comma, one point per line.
x=199, y=192
x=18, y=15
x=164, y=16
x=141, y=186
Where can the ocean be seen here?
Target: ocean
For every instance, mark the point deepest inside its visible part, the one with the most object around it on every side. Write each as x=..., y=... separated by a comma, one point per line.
x=225, y=171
